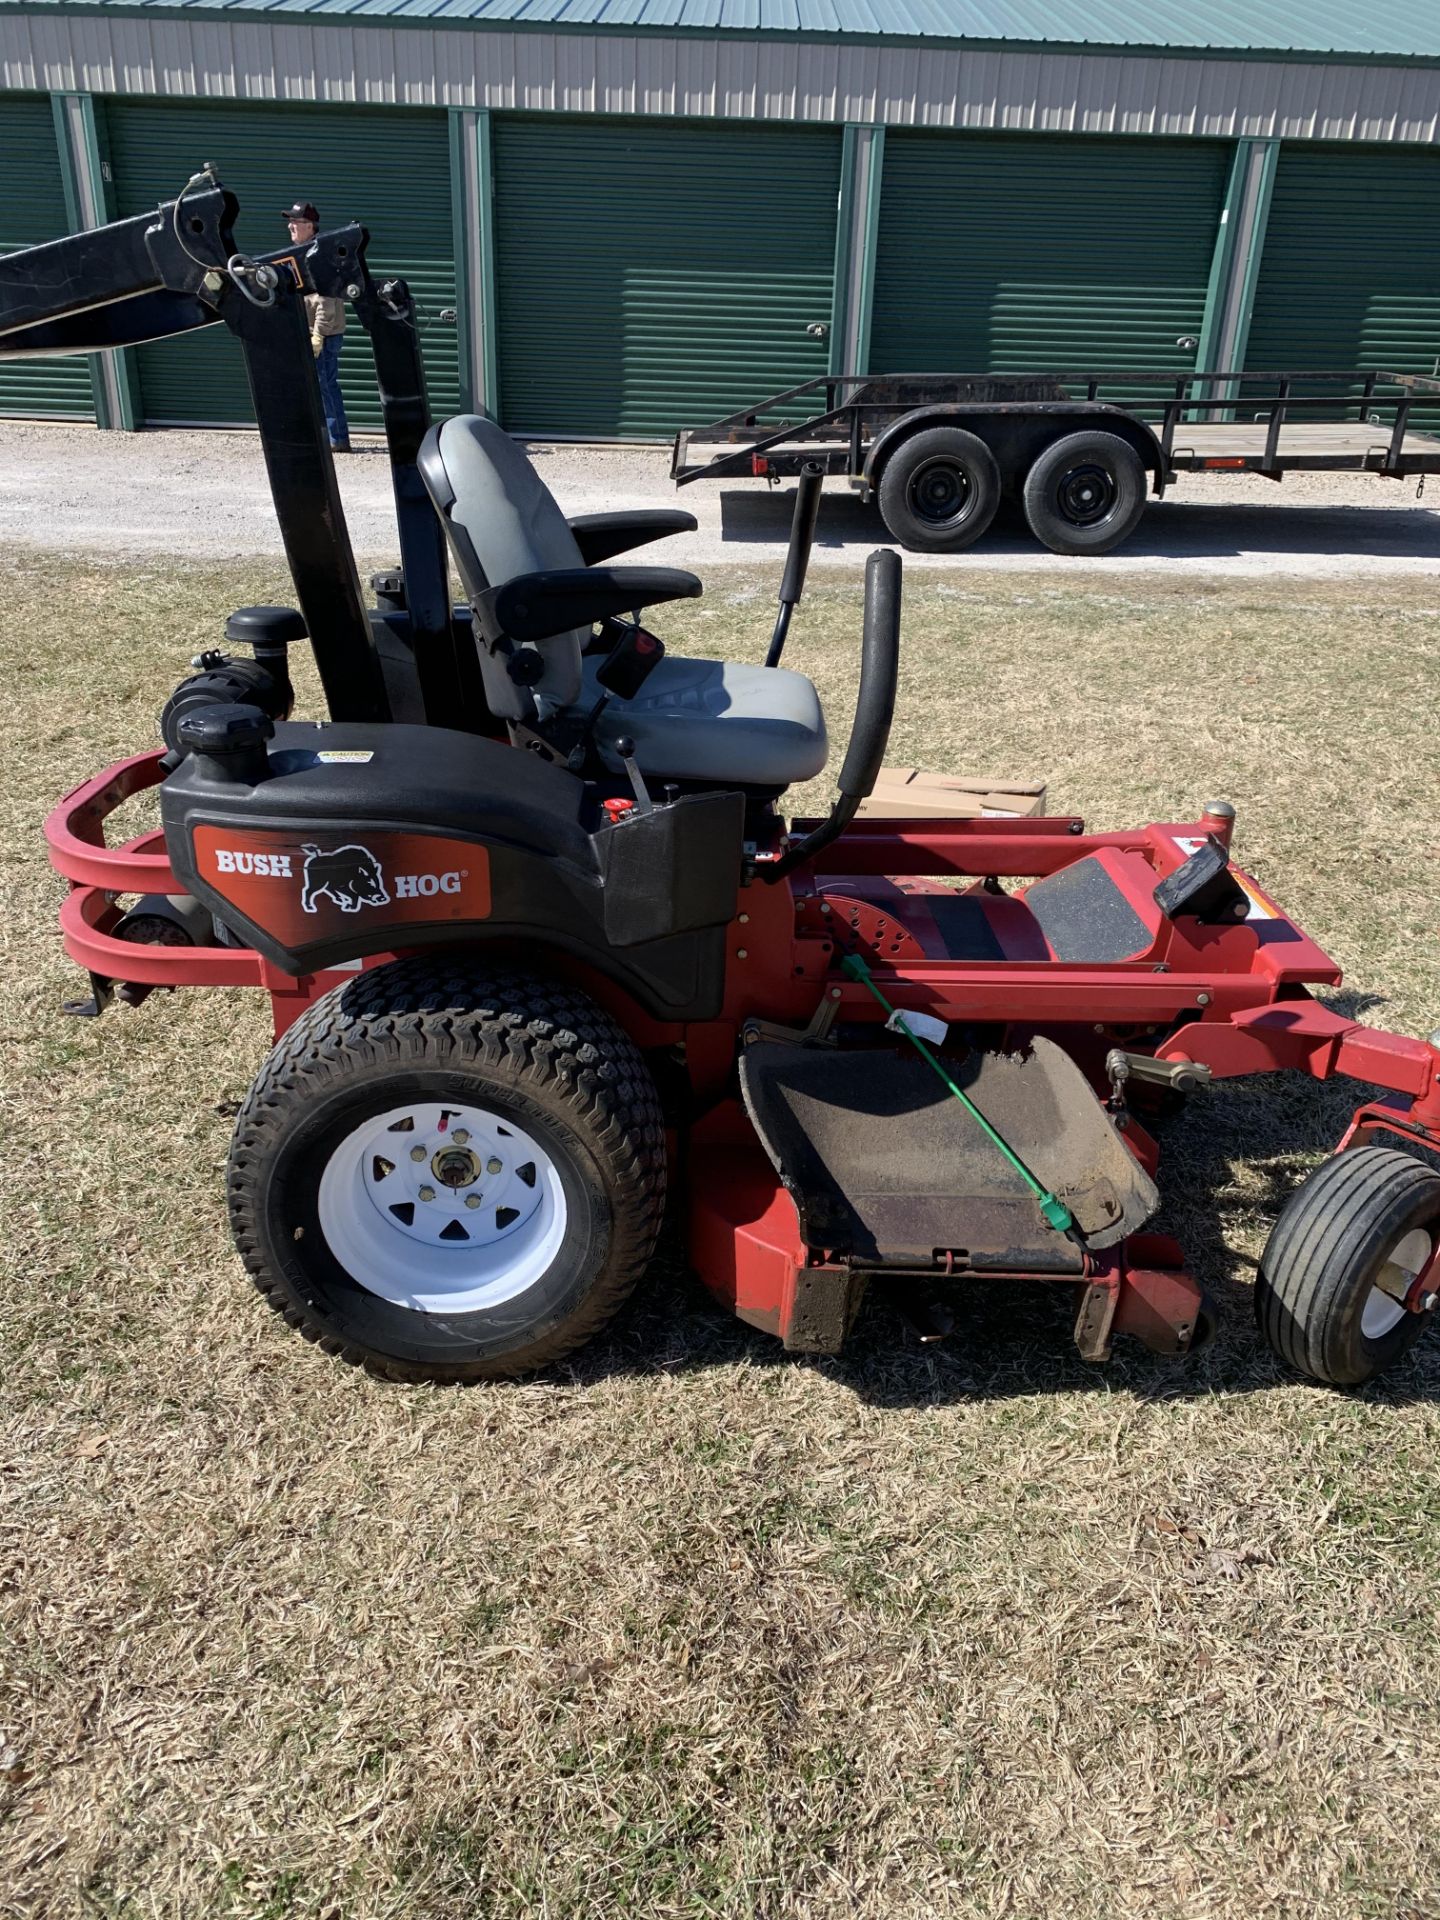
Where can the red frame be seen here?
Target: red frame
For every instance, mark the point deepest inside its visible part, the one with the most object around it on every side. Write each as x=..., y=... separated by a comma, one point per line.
x=1244, y=986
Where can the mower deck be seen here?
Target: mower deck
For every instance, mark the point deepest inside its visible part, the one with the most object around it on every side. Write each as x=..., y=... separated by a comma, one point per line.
x=886, y=1168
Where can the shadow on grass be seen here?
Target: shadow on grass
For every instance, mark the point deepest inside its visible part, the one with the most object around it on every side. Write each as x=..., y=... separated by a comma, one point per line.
x=1174, y=529
x=1229, y=1162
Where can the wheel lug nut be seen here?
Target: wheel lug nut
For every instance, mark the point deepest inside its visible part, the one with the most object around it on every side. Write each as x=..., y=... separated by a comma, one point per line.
x=492, y=1165
x=427, y=1193
x=472, y=1199
x=460, y=1137
x=417, y=1153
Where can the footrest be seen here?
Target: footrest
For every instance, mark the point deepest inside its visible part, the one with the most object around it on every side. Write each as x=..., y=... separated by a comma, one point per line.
x=885, y=1165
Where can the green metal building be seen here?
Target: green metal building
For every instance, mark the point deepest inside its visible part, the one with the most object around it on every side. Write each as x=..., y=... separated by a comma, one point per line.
x=623, y=216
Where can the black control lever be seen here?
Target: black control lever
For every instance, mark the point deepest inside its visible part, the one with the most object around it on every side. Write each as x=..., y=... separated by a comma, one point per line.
x=643, y=802
x=874, y=710
x=802, y=538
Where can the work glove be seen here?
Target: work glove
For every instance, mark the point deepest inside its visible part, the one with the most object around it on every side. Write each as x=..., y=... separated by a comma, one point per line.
x=315, y=344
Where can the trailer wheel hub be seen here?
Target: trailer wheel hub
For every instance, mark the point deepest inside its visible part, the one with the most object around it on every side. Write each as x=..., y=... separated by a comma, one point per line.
x=437, y=1226
x=1086, y=494
x=940, y=492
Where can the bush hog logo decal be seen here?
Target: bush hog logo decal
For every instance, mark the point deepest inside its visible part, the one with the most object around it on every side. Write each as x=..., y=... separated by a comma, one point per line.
x=350, y=875
x=304, y=891
x=231, y=860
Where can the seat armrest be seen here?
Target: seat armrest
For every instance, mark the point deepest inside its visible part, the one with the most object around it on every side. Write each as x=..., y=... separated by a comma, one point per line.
x=600, y=536
x=536, y=606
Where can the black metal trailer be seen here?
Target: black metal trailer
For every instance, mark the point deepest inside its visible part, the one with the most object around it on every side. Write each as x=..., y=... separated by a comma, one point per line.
x=941, y=451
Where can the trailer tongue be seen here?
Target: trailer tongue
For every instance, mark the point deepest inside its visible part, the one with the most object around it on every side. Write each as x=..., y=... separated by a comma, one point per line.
x=542, y=943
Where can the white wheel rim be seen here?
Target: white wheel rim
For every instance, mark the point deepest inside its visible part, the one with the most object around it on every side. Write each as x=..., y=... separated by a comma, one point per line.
x=442, y=1208
x=1407, y=1257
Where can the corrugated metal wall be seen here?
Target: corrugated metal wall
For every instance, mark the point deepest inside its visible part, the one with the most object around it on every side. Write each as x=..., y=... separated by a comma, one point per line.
x=1032, y=253
x=386, y=167
x=32, y=209
x=1350, y=273
x=765, y=77
x=652, y=274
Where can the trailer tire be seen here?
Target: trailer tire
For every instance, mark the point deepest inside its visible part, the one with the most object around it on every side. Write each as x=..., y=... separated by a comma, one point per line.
x=939, y=490
x=379, y=1235
x=1085, y=493
x=1316, y=1296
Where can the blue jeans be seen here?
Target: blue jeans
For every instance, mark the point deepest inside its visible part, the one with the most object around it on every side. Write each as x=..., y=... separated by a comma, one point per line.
x=327, y=365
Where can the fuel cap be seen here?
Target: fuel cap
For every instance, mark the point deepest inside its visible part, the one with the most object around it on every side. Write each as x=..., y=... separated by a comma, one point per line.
x=226, y=729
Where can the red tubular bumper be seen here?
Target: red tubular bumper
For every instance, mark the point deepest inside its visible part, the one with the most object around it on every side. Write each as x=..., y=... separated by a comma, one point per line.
x=90, y=911
x=75, y=834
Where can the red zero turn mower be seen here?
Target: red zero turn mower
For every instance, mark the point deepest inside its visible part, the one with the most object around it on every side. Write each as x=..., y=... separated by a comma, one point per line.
x=542, y=947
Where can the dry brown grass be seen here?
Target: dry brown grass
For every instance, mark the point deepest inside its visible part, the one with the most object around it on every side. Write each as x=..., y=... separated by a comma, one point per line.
x=697, y=1629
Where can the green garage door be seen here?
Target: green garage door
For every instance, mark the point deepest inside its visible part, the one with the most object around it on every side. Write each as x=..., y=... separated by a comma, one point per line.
x=32, y=209
x=388, y=168
x=1350, y=274
x=1035, y=253
x=656, y=274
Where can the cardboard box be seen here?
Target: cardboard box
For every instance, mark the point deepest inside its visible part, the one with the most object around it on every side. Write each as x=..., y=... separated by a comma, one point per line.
x=911, y=792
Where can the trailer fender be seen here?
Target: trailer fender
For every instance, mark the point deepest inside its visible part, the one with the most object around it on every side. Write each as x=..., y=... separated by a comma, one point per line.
x=1016, y=432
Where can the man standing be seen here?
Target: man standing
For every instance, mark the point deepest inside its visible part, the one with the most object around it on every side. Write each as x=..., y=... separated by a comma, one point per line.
x=327, y=326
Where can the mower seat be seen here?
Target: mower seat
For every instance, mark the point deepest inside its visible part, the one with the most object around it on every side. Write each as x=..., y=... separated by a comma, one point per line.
x=710, y=720
x=716, y=720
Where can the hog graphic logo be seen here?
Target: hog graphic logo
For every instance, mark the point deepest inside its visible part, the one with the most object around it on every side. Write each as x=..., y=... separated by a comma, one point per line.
x=351, y=877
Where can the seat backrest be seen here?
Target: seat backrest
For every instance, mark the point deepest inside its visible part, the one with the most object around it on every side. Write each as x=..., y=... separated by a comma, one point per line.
x=502, y=520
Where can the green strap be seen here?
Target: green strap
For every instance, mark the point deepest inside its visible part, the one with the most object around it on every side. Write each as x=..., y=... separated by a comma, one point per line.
x=1057, y=1214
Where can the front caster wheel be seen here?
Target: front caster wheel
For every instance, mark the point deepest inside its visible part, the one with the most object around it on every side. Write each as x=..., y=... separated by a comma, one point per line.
x=1350, y=1240
x=447, y=1172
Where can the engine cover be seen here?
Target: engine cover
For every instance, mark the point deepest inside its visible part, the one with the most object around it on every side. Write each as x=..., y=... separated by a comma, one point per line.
x=348, y=840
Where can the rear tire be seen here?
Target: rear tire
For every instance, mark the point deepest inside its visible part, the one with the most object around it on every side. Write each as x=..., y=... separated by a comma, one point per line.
x=1085, y=493
x=1316, y=1297
x=939, y=491
x=445, y=1172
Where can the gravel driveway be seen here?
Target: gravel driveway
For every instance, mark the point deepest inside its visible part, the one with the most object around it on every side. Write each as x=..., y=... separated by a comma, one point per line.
x=204, y=494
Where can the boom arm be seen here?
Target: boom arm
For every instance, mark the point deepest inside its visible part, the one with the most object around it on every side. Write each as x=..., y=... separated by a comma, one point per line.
x=178, y=269
x=137, y=279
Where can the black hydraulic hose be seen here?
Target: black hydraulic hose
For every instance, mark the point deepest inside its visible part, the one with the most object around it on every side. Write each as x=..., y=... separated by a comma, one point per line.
x=874, y=711
x=797, y=559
